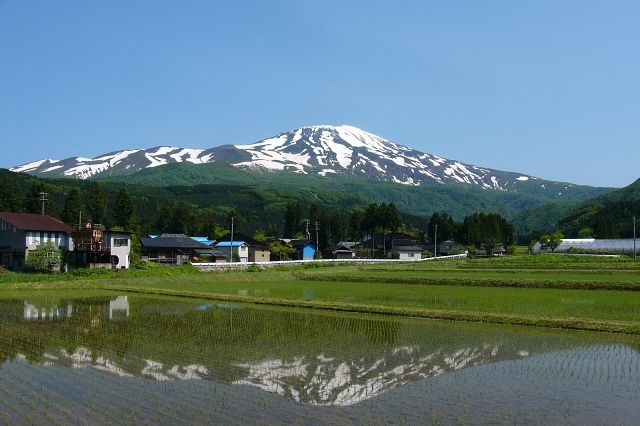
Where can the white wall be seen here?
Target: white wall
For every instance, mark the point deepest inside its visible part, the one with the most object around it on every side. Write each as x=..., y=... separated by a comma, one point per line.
x=121, y=251
x=409, y=255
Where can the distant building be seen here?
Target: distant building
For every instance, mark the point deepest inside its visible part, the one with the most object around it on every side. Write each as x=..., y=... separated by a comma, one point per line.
x=405, y=249
x=174, y=249
x=234, y=248
x=21, y=233
x=592, y=245
x=93, y=247
x=257, y=250
x=305, y=250
x=378, y=244
x=339, y=251
x=448, y=247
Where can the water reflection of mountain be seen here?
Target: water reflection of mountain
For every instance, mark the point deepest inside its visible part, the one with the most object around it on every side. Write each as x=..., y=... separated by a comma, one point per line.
x=313, y=358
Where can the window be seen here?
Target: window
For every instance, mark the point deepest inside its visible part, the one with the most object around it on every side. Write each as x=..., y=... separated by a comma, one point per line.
x=120, y=242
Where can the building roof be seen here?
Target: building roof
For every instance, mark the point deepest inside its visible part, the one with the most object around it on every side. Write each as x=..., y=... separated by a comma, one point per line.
x=203, y=240
x=299, y=244
x=172, y=241
x=229, y=243
x=35, y=222
x=340, y=249
x=251, y=242
x=405, y=245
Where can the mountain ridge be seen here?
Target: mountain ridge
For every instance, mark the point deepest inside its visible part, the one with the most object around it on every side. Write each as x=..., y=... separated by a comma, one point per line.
x=313, y=150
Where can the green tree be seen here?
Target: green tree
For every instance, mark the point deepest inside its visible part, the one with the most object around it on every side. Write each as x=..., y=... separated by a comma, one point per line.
x=551, y=241
x=97, y=203
x=281, y=251
x=181, y=218
x=46, y=258
x=123, y=210
x=292, y=219
x=72, y=207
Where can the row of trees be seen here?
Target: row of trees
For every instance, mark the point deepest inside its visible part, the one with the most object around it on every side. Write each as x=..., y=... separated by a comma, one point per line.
x=479, y=229
x=207, y=210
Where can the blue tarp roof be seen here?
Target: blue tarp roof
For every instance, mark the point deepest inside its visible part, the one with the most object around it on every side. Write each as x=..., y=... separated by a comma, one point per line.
x=228, y=243
x=203, y=240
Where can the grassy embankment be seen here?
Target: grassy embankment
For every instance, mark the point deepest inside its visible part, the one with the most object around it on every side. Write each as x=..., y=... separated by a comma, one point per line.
x=598, y=294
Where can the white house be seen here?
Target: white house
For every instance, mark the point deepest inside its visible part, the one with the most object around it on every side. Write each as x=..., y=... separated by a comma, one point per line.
x=239, y=248
x=404, y=249
x=91, y=246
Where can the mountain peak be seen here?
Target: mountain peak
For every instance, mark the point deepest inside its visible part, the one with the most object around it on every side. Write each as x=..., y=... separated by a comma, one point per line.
x=318, y=149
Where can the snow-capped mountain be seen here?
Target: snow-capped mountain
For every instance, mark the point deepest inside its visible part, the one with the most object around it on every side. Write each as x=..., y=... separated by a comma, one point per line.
x=320, y=150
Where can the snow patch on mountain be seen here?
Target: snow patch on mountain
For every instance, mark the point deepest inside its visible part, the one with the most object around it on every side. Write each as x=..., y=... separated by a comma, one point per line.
x=320, y=150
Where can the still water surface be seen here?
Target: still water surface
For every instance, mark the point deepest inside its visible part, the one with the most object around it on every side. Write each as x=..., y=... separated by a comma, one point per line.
x=128, y=359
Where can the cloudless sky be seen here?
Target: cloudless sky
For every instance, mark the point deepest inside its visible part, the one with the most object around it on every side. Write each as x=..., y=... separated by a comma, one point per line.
x=547, y=88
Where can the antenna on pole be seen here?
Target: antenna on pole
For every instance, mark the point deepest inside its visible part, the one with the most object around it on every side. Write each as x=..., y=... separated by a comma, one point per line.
x=43, y=197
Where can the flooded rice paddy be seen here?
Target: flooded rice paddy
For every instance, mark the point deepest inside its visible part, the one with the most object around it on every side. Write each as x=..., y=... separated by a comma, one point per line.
x=115, y=358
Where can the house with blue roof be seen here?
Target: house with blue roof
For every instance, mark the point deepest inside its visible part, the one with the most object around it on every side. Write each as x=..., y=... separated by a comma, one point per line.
x=234, y=248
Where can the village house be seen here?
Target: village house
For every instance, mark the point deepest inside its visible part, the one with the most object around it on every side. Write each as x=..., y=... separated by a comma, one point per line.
x=405, y=249
x=174, y=249
x=238, y=249
x=378, y=244
x=257, y=250
x=93, y=247
x=21, y=233
x=339, y=251
x=449, y=247
x=305, y=250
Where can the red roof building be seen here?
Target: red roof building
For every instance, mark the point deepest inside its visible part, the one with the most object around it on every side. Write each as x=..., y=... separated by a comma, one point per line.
x=23, y=232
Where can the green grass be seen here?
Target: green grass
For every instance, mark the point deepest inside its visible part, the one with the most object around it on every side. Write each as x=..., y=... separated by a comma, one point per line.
x=554, y=293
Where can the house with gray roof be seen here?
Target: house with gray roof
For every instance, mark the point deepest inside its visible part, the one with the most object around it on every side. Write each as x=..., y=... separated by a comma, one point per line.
x=175, y=249
x=405, y=249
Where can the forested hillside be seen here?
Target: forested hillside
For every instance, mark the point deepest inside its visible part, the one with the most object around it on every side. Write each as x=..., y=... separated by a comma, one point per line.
x=207, y=209
x=608, y=216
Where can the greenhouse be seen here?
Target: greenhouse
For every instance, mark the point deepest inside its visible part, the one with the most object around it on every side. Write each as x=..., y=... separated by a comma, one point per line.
x=592, y=245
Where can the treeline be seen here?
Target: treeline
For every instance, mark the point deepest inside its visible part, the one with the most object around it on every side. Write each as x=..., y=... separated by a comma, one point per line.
x=479, y=229
x=607, y=220
x=207, y=210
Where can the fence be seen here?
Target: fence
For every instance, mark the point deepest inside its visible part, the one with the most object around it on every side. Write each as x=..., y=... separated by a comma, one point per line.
x=241, y=265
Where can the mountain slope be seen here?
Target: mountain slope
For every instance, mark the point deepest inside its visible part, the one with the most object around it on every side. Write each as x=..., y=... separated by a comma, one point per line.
x=315, y=150
x=606, y=216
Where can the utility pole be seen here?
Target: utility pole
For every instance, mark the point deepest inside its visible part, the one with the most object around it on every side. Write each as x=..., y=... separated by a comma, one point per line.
x=43, y=196
x=373, y=246
x=317, y=224
x=435, y=242
x=634, y=238
x=231, y=242
x=384, y=245
x=307, y=230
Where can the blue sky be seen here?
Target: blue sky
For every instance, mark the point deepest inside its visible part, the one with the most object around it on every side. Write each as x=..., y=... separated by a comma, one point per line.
x=548, y=88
